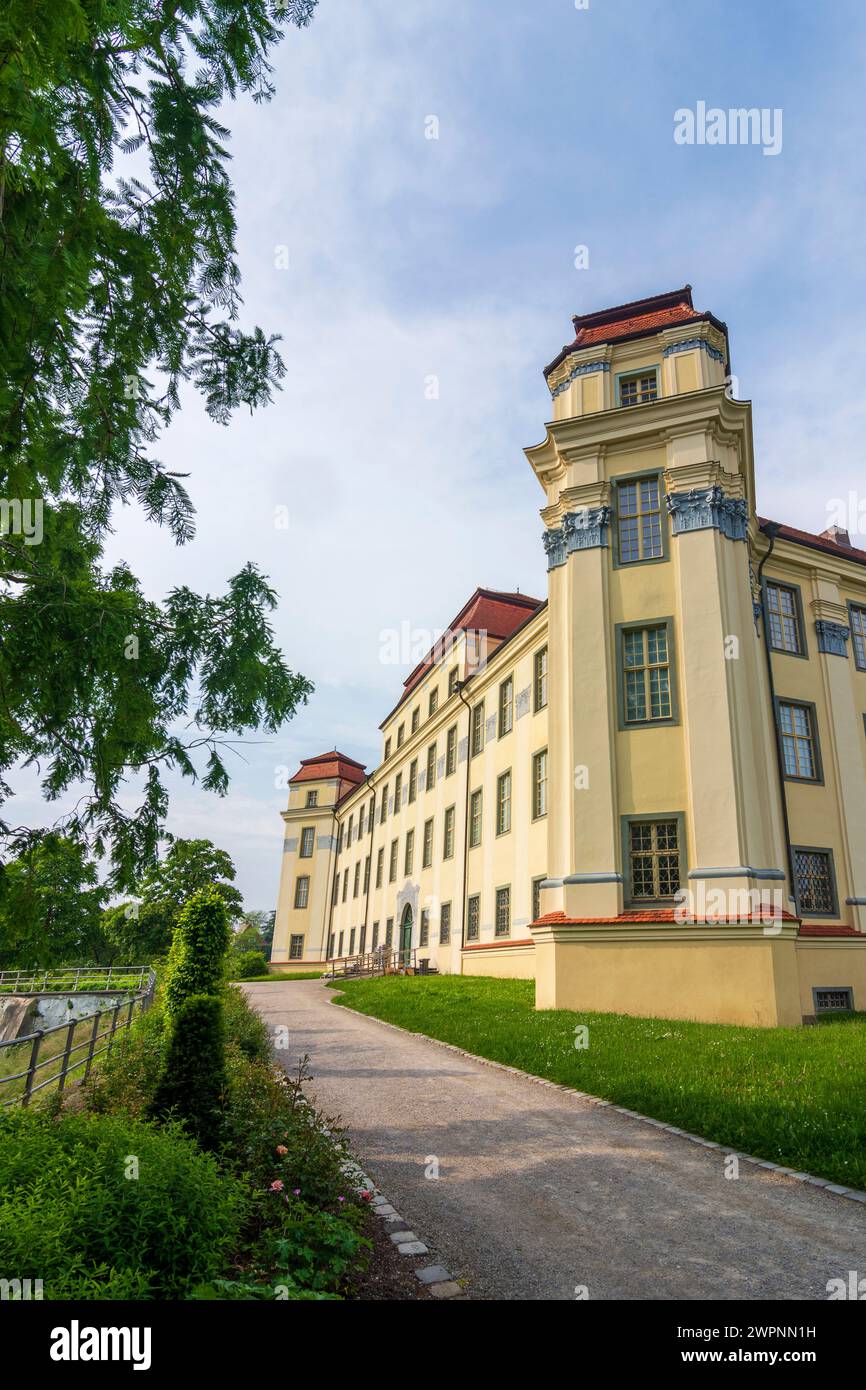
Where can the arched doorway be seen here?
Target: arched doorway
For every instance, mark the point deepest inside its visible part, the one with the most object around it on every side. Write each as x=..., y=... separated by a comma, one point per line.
x=406, y=923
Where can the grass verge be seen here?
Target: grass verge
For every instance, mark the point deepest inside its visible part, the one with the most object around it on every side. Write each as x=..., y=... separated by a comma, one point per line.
x=795, y=1096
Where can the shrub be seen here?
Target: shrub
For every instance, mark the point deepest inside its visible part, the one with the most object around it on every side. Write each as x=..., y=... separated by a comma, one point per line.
x=196, y=961
x=127, y=1077
x=245, y=1028
x=71, y=1216
x=192, y=1086
x=246, y=964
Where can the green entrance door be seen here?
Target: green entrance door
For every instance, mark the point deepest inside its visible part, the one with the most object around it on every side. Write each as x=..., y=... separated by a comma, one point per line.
x=406, y=936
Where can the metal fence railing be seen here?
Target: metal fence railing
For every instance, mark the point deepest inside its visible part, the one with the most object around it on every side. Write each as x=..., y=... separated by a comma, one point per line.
x=385, y=960
x=23, y=1060
x=93, y=978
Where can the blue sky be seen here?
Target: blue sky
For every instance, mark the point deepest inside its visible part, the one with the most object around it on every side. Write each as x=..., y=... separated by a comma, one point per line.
x=410, y=258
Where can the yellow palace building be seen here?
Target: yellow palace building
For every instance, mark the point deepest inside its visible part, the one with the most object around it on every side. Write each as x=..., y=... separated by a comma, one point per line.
x=647, y=791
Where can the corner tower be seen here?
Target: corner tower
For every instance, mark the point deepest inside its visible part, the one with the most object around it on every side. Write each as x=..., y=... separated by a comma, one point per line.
x=662, y=774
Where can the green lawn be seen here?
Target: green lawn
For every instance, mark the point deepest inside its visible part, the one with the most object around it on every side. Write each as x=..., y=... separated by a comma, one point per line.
x=287, y=975
x=796, y=1096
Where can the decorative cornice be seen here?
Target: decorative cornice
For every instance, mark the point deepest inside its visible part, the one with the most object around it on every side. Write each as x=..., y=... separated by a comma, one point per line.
x=689, y=344
x=586, y=529
x=581, y=369
x=832, y=637
x=702, y=508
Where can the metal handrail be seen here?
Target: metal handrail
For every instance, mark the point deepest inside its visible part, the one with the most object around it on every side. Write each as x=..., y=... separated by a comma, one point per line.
x=385, y=960
x=59, y=981
x=143, y=998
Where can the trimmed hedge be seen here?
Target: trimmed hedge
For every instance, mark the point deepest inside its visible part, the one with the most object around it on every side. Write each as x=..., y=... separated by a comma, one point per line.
x=192, y=1086
x=196, y=960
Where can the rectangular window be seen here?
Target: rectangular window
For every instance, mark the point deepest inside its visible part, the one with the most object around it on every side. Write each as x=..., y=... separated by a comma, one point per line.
x=424, y=934
x=639, y=521
x=413, y=779
x=362, y=944
x=352, y=941
x=401, y=734
x=503, y=803
x=858, y=634
x=362, y=813
x=410, y=852
x=445, y=924
x=416, y=719
x=653, y=859
x=475, y=808
x=452, y=680
x=356, y=882
x=375, y=942
x=312, y=798
x=783, y=612
x=335, y=891
x=536, y=897
x=431, y=766
x=340, y=840
x=302, y=891
x=372, y=811
x=434, y=700
x=366, y=873
x=331, y=946
x=473, y=918
x=646, y=674
x=387, y=750
x=477, y=740
x=506, y=706
x=349, y=833
x=389, y=931
x=340, y=946
x=539, y=682
x=398, y=792
x=345, y=883
x=816, y=882
x=380, y=866
x=392, y=865
x=448, y=838
x=834, y=1001
x=384, y=810
x=503, y=912
x=539, y=784
x=451, y=751
x=638, y=387
x=308, y=840
x=427, y=853
x=296, y=948
x=799, y=733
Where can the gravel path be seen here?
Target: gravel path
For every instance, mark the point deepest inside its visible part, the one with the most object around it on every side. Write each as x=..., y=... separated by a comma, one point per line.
x=540, y=1193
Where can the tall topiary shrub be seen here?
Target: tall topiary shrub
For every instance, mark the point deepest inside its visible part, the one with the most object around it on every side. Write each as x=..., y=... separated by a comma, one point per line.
x=196, y=960
x=192, y=1087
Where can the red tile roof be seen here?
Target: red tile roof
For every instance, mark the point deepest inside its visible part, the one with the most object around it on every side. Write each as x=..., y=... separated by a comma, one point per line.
x=488, y=610
x=327, y=765
x=822, y=929
x=654, y=914
x=638, y=319
x=823, y=543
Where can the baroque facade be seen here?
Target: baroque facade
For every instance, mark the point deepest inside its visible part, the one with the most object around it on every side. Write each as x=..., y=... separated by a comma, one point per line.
x=647, y=791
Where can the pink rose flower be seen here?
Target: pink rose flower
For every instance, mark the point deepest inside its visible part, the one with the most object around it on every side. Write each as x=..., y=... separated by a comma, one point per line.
x=281, y=1149
x=277, y=1185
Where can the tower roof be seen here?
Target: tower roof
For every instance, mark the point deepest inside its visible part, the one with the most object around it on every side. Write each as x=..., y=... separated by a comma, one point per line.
x=328, y=765
x=639, y=318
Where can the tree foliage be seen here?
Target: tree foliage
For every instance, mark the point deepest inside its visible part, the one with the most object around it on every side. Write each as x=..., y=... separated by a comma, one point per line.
x=50, y=906
x=143, y=930
x=119, y=285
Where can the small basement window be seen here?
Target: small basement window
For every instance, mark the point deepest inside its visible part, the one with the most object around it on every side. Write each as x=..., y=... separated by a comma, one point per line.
x=833, y=1001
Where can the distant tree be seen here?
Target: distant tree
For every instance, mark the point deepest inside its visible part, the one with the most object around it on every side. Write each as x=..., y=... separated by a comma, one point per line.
x=119, y=285
x=263, y=924
x=51, y=906
x=142, y=930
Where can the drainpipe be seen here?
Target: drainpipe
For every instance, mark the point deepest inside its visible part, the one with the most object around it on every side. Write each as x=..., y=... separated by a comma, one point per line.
x=459, y=687
x=771, y=530
x=334, y=837
x=372, y=847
